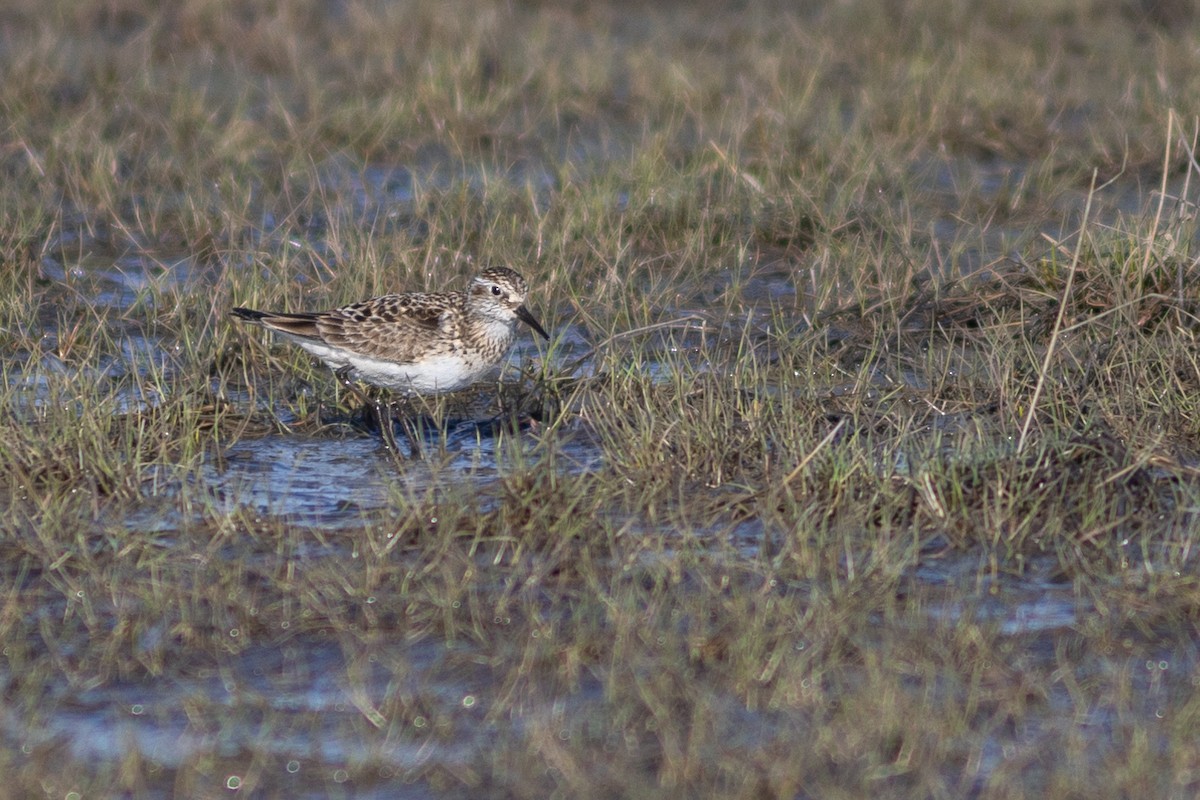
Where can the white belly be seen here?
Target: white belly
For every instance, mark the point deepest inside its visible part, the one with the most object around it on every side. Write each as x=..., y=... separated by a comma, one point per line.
x=442, y=373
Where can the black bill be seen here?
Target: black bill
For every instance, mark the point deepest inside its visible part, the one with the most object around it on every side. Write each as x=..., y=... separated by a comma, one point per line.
x=523, y=314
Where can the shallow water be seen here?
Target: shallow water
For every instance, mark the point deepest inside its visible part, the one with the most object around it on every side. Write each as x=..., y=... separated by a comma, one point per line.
x=332, y=483
x=289, y=704
x=306, y=709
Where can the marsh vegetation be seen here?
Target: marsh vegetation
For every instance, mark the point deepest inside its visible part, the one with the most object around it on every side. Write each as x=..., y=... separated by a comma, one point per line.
x=864, y=459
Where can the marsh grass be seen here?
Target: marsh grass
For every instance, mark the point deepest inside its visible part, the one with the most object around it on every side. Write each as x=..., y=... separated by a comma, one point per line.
x=857, y=359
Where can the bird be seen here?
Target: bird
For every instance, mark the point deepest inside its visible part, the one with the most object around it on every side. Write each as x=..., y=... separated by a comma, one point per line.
x=414, y=343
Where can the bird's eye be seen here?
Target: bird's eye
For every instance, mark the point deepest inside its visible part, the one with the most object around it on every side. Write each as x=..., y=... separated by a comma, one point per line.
x=495, y=291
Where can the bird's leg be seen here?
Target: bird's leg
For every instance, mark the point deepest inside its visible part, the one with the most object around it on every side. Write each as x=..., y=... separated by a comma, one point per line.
x=413, y=433
x=343, y=377
x=387, y=429
x=383, y=418
x=379, y=411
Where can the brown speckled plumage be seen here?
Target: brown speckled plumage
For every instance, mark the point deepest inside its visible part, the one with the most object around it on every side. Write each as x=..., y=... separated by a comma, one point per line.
x=417, y=342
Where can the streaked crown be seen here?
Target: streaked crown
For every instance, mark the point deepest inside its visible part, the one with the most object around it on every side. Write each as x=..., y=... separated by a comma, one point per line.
x=500, y=285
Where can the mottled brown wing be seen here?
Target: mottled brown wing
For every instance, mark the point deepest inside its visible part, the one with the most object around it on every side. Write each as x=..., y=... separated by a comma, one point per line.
x=395, y=327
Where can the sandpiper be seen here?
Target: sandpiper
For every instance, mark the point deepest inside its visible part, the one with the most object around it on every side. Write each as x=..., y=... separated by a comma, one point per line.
x=415, y=342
